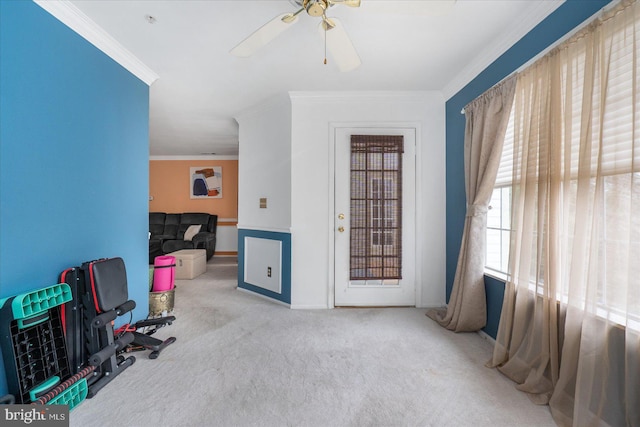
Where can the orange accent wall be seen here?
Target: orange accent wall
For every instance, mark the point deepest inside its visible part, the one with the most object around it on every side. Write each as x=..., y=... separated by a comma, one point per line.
x=169, y=186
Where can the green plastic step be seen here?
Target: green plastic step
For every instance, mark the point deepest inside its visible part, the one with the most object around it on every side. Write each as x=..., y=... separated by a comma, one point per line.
x=36, y=302
x=45, y=386
x=72, y=396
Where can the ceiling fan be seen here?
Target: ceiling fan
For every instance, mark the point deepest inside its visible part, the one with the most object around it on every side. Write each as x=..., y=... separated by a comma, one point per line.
x=337, y=42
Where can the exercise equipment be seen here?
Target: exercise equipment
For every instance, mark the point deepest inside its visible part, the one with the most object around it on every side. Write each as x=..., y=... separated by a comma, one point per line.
x=52, y=395
x=164, y=273
x=143, y=340
x=100, y=293
x=34, y=349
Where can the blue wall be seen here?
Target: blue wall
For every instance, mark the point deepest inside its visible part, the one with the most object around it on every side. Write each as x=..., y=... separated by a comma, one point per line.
x=561, y=21
x=74, y=156
x=285, y=238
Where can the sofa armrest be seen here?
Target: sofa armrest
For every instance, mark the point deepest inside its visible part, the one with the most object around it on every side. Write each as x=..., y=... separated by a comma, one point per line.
x=203, y=236
x=204, y=240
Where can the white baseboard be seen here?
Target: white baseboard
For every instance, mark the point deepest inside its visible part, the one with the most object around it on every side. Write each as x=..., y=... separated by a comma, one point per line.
x=309, y=307
x=487, y=337
x=263, y=297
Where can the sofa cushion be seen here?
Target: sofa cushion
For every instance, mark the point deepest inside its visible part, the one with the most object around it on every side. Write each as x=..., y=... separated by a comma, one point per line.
x=156, y=222
x=192, y=218
x=172, y=225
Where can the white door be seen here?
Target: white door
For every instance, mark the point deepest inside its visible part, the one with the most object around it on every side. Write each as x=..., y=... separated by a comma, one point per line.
x=374, y=222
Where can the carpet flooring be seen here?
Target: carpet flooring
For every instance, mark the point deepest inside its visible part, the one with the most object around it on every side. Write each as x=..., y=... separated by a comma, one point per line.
x=240, y=360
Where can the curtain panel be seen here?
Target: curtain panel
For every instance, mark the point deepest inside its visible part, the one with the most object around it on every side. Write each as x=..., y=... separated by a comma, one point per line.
x=569, y=332
x=486, y=123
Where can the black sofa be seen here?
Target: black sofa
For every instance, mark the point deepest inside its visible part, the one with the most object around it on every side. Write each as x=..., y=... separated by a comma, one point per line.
x=167, y=233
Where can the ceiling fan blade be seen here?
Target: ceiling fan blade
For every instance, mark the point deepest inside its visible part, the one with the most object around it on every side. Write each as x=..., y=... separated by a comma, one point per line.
x=339, y=45
x=265, y=34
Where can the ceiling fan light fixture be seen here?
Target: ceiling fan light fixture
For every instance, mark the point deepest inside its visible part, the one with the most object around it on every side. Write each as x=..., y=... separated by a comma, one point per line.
x=328, y=24
x=315, y=7
x=290, y=17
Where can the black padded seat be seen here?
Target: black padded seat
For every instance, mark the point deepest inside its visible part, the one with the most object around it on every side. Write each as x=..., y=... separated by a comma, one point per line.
x=112, y=272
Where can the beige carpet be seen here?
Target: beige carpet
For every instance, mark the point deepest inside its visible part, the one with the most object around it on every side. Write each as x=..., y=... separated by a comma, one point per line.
x=240, y=360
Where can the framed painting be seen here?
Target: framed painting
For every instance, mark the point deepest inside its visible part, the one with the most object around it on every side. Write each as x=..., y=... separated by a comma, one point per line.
x=205, y=182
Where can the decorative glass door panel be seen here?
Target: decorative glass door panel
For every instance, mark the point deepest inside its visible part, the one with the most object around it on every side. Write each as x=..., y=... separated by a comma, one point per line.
x=376, y=209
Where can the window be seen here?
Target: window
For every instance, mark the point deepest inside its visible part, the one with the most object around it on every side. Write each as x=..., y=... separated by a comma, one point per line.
x=498, y=230
x=383, y=212
x=571, y=164
x=499, y=211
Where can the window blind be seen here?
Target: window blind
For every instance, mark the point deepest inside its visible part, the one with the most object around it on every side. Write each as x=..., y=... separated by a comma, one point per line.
x=614, y=113
x=376, y=207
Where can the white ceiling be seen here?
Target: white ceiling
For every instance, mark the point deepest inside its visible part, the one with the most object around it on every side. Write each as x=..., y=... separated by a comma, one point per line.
x=403, y=45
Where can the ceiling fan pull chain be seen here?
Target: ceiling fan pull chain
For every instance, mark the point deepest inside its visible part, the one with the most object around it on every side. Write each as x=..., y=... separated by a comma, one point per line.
x=324, y=25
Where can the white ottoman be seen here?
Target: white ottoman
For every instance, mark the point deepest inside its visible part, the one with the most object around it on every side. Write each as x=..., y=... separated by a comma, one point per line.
x=190, y=263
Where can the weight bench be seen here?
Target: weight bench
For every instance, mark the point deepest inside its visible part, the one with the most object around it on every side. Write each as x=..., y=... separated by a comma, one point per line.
x=105, y=298
x=101, y=296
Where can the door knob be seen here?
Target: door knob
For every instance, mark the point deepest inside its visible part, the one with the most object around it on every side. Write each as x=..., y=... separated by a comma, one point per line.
x=341, y=229
x=340, y=216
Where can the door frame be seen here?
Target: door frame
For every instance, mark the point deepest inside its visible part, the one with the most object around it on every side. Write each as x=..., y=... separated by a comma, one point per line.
x=373, y=126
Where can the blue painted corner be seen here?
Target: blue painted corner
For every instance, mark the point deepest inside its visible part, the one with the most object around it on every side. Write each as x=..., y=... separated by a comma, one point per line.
x=285, y=238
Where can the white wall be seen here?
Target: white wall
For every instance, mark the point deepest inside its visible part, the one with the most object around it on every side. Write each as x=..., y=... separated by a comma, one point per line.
x=285, y=155
x=227, y=235
x=264, y=166
x=313, y=115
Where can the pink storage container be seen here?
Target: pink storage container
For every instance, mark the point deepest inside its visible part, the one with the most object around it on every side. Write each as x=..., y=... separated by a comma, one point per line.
x=164, y=273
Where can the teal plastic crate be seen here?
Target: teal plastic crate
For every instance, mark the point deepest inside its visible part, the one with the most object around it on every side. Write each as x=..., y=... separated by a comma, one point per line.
x=37, y=302
x=72, y=396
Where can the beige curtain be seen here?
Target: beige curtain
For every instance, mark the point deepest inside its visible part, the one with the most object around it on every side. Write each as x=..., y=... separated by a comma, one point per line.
x=487, y=118
x=569, y=333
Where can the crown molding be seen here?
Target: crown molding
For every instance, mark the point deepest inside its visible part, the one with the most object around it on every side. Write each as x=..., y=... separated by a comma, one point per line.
x=359, y=96
x=67, y=13
x=194, y=157
x=319, y=94
x=486, y=57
